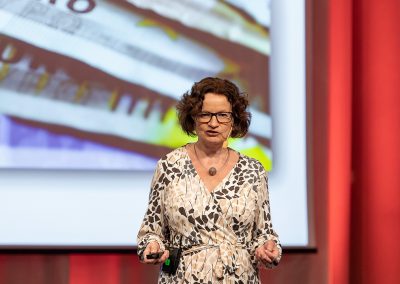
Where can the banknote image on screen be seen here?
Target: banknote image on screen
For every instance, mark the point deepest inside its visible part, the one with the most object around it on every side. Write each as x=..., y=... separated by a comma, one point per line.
x=93, y=84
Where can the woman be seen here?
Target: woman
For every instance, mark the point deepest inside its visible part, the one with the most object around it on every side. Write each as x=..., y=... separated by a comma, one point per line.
x=209, y=200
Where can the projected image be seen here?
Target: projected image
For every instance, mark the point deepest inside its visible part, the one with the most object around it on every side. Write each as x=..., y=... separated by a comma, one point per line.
x=93, y=84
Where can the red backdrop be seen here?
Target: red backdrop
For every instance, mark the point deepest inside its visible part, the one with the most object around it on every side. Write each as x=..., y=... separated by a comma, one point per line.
x=375, y=230
x=355, y=81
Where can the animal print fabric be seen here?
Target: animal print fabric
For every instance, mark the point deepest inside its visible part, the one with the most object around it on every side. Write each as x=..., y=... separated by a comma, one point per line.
x=219, y=230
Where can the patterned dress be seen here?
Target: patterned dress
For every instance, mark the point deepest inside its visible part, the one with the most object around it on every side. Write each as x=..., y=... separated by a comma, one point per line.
x=219, y=230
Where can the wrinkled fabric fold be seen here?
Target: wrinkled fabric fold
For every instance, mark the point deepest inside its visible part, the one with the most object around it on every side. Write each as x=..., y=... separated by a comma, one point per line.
x=228, y=257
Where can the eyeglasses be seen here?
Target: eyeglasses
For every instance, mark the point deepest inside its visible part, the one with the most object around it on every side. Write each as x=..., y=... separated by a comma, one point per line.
x=222, y=117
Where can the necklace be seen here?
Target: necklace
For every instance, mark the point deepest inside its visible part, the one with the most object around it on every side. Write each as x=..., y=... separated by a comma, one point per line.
x=212, y=171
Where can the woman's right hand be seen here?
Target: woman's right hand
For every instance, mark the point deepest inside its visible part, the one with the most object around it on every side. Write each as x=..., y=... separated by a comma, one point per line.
x=154, y=247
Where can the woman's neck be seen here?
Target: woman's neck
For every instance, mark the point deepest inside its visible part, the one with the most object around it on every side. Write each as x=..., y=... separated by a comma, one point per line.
x=210, y=149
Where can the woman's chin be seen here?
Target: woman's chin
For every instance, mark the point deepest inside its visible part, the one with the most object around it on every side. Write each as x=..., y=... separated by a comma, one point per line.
x=212, y=140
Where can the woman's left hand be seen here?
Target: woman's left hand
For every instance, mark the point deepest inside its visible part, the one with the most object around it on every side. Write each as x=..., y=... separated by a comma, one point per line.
x=268, y=253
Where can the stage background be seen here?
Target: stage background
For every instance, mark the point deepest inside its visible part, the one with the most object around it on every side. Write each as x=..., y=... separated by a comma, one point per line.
x=354, y=64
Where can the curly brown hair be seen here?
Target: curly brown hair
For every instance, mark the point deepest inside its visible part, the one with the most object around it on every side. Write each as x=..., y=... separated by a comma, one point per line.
x=191, y=104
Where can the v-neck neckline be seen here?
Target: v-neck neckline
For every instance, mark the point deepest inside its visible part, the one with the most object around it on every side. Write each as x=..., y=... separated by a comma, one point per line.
x=221, y=182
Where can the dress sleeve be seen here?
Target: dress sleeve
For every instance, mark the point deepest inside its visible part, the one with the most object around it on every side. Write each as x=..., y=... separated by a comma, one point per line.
x=262, y=229
x=153, y=226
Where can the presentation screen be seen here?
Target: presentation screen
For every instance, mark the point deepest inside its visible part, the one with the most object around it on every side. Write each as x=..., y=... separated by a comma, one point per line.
x=88, y=90
x=93, y=84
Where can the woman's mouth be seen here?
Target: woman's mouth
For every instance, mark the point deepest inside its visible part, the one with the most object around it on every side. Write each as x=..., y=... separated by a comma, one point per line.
x=212, y=133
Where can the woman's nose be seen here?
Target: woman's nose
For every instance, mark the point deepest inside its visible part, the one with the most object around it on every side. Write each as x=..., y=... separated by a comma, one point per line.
x=213, y=121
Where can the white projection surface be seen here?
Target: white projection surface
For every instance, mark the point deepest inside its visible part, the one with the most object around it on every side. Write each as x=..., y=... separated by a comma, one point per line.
x=89, y=208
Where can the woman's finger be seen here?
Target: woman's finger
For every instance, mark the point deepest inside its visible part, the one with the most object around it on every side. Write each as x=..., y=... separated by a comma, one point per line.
x=152, y=247
x=262, y=255
x=164, y=257
x=270, y=246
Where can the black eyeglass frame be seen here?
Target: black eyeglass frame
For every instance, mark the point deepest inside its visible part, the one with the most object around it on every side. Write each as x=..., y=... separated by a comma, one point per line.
x=211, y=114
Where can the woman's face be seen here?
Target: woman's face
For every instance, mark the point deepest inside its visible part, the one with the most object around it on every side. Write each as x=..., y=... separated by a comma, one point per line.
x=213, y=131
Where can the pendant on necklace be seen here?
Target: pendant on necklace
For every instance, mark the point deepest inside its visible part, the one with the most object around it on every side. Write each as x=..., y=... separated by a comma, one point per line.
x=212, y=171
